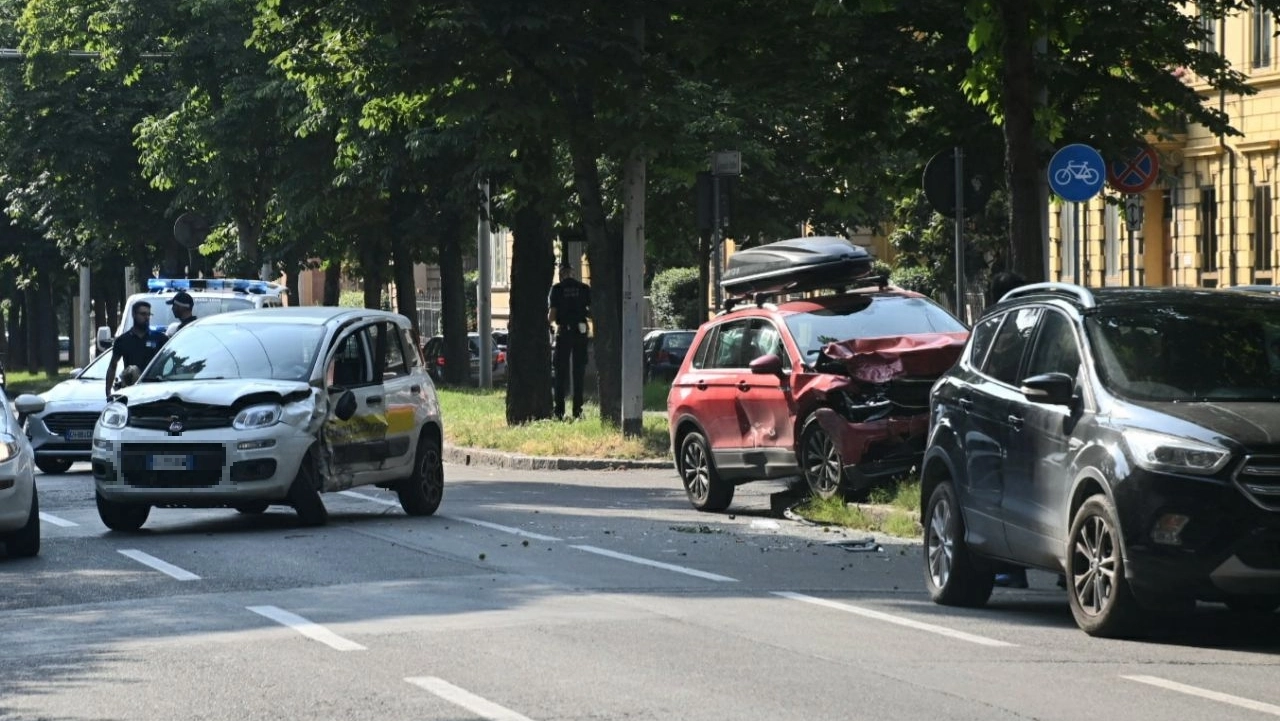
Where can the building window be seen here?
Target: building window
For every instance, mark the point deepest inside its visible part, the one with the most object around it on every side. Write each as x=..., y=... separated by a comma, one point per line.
x=1209, y=31
x=1263, y=243
x=1207, y=242
x=1262, y=32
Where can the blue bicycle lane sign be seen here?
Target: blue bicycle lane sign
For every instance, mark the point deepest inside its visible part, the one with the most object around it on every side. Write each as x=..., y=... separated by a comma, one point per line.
x=1077, y=173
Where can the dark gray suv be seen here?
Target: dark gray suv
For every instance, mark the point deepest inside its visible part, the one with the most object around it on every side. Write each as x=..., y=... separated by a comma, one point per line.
x=1127, y=438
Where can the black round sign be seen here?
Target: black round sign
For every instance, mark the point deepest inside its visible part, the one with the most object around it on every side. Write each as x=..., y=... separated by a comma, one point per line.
x=940, y=184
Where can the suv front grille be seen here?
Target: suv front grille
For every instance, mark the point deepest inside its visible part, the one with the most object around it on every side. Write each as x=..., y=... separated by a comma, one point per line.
x=1259, y=478
x=60, y=423
x=194, y=417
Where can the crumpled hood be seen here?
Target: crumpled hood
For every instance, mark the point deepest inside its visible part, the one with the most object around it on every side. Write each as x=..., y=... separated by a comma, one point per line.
x=879, y=360
x=210, y=392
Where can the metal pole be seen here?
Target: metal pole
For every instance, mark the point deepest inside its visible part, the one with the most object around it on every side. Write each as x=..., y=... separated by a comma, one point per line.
x=1133, y=272
x=633, y=297
x=715, y=243
x=484, y=286
x=84, y=333
x=1079, y=240
x=960, y=304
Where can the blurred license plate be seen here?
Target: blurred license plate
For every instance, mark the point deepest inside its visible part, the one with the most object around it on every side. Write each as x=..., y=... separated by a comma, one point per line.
x=82, y=434
x=169, y=463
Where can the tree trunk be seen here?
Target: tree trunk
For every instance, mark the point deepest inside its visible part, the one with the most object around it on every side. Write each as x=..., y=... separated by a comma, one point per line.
x=374, y=263
x=704, y=277
x=48, y=337
x=406, y=289
x=291, y=285
x=1022, y=166
x=248, y=234
x=532, y=268
x=453, y=301
x=30, y=324
x=604, y=251
x=332, y=282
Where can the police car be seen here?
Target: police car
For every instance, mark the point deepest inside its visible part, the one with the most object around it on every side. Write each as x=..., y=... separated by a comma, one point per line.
x=61, y=434
x=211, y=295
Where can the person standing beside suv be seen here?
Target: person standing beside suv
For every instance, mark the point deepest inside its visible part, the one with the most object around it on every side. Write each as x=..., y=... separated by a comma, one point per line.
x=183, y=310
x=569, y=307
x=136, y=346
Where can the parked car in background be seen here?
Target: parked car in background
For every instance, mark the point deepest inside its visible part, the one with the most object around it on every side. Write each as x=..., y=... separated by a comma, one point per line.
x=62, y=433
x=211, y=296
x=19, y=502
x=433, y=353
x=834, y=388
x=1126, y=438
x=272, y=406
x=664, y=352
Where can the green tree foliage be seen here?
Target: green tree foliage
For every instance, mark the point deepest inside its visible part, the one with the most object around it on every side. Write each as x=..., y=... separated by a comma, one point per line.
x=674, y=298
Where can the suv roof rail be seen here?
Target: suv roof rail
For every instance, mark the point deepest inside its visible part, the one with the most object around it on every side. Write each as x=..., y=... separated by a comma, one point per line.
x=1080, y=293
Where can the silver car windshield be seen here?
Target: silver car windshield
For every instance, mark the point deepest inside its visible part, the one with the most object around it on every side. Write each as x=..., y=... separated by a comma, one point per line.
x=97, y=368
x=275, y=351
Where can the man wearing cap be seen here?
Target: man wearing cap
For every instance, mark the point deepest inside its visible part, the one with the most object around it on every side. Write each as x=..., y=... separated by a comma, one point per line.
x=569, y=307
x=136, y=346
x=182, y=307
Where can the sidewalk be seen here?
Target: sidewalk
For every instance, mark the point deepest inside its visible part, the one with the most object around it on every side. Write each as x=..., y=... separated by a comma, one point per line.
x=520, y=462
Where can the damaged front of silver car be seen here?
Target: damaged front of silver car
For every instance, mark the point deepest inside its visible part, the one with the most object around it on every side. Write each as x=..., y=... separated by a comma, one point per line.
x=225, y=419
x=871, y=420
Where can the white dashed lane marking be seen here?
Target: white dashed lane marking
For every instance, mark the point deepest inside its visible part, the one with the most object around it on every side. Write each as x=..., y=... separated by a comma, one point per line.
x=897, y=620
x=313, y=631
x=481, y=707
x=1239, y=701
x=54, y=520
x=164, y=567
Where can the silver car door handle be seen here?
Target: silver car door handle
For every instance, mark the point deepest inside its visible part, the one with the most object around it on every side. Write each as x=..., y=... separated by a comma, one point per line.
x=374, y=400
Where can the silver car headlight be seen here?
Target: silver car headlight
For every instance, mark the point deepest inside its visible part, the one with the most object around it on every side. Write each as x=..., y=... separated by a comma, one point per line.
x=8, y=447
x=260, y=416
x=1160, y=452
x=115, y=416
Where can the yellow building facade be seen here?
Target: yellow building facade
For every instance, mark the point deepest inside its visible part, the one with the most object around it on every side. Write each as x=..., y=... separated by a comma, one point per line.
x=1211, y=220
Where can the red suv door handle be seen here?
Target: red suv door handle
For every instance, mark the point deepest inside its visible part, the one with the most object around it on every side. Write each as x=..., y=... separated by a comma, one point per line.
x=742, y=386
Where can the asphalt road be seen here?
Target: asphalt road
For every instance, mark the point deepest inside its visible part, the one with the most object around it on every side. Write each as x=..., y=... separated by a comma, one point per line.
x=562, y=595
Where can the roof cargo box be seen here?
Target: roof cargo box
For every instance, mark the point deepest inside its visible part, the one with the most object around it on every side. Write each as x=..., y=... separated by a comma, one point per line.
x=795, y=266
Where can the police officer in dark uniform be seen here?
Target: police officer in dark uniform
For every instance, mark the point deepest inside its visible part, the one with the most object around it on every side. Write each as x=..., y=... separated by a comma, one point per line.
x=183, y=307
x=569, y=307
x=137, y=346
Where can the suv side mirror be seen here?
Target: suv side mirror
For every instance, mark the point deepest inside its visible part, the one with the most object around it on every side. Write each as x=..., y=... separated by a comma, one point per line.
x=1049, y=388
x=345, y=408
x=767, y=364
x=104, y=338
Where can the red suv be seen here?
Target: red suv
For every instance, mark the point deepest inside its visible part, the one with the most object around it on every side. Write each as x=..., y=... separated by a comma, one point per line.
x=834, y=388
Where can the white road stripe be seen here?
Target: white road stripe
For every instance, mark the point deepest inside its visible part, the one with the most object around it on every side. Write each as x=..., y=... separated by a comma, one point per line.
x=371, y=499
x=1226, y=698
x=889, y=618
x=313, y=631
x=656, y=564
x=499, y=527
x=461, y=697
x=50, y=518
x=164, y=567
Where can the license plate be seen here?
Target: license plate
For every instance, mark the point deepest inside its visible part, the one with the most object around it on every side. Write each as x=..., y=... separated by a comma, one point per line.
x=82, y=434
x=161, y=462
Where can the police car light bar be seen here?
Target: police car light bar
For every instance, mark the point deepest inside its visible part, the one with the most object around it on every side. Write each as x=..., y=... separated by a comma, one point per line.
x=236, y=285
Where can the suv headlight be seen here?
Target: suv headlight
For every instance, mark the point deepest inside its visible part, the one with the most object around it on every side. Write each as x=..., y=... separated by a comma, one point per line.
x=1160, y=452
x=114, y=416
x=260, y=416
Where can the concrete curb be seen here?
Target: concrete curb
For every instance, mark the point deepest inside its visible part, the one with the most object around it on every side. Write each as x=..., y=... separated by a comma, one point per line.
x=519, y=462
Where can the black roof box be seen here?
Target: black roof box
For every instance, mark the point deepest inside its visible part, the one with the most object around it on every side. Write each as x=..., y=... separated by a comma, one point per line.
x=795, y=266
